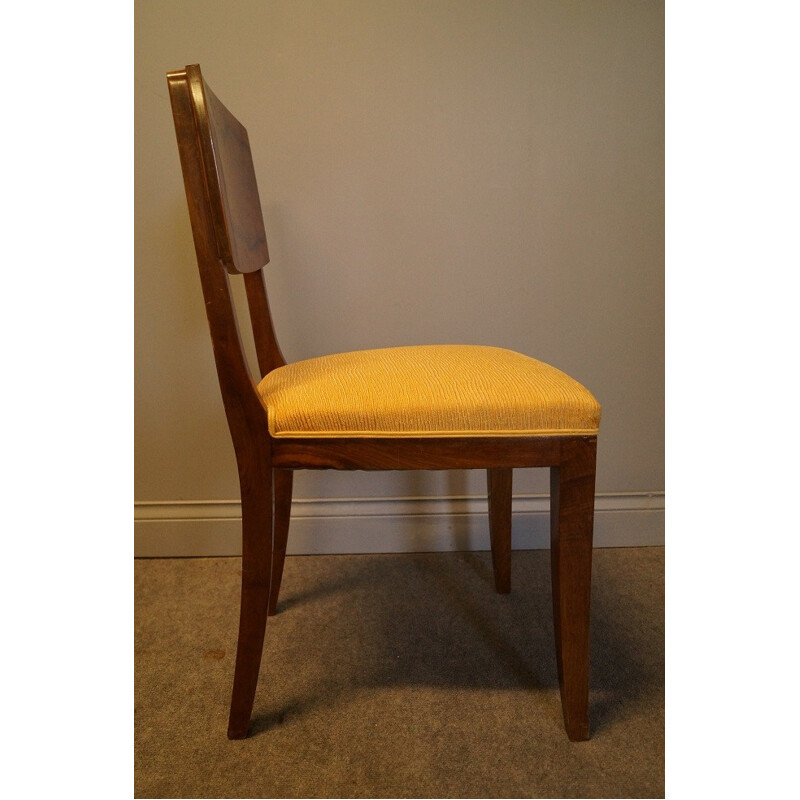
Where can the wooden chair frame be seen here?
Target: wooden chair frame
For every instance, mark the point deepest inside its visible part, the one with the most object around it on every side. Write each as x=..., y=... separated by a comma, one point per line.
x=229, y=237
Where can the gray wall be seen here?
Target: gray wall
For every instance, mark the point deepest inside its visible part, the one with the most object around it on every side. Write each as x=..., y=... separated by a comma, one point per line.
x=467, y=171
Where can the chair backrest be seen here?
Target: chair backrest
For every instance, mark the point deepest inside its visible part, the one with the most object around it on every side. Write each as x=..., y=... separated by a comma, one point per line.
x=229, y=236
x=241, y=240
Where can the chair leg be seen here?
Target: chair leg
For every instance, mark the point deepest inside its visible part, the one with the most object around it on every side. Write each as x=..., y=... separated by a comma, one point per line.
x=256, y=572
x=283, y=511
x=571, y=523
x=499, y=484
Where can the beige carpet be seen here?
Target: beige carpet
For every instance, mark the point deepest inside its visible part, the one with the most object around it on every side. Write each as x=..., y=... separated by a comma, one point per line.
x=398, y=676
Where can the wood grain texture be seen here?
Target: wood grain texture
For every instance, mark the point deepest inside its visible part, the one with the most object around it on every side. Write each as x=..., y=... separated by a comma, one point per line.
x=421, y=453
x=230, y=179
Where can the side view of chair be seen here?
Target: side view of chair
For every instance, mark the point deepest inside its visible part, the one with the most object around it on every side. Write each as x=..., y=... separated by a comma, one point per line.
x=433, y=407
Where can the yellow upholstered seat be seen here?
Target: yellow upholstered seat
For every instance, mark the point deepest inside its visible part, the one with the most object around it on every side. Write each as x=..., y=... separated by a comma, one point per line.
x=436, y=390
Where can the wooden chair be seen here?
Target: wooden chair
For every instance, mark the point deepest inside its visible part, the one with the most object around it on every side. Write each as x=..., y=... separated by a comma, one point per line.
x=438, y=407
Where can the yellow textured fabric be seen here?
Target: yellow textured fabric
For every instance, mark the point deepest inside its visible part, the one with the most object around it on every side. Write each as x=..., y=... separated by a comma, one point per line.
x=436, y=390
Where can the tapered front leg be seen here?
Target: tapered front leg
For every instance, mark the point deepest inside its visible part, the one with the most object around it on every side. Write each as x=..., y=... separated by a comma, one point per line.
x=283, y=512
x=256, y=572
x=571, y=525
x=499, y=483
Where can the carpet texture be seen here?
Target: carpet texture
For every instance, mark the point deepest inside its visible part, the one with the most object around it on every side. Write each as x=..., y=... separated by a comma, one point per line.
x=398, y=676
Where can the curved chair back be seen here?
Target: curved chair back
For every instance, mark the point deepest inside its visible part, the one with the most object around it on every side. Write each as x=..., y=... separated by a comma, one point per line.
x=229, y=237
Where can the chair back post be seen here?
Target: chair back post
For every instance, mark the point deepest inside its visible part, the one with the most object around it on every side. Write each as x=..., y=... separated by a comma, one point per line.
x=245, y=413
x=268, y=351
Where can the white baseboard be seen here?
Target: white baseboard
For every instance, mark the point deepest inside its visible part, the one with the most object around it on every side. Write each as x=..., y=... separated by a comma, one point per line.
x=393, y=525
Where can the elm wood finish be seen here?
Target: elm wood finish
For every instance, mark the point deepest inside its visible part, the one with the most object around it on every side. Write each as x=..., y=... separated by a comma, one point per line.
x=228, y=230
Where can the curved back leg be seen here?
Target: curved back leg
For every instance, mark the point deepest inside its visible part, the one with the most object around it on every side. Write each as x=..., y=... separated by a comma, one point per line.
x=257, y=526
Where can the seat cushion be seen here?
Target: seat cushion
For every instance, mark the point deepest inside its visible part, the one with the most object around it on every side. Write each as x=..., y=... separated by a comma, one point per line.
x=436, y=390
